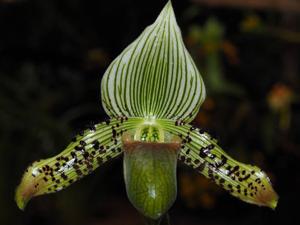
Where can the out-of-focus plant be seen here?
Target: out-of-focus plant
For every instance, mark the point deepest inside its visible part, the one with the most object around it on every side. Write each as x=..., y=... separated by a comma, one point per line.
x=151, y=91
x=196, y=190
x=96, y=58
x=10, y=1
x=278, y=120
x=36, y=109
x=251, y=23
x=254, y=24
x=279, y=100
x=208, y=43
x=209, y=47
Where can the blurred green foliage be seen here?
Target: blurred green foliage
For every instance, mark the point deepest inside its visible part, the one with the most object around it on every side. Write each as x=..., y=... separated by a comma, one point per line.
x=251, y=103
x=52, y=56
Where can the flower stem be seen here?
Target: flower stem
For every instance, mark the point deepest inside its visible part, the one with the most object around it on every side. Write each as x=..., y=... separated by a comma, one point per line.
x=164, y=220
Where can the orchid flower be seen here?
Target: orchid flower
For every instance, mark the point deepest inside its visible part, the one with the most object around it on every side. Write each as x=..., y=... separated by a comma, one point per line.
x=151, y=91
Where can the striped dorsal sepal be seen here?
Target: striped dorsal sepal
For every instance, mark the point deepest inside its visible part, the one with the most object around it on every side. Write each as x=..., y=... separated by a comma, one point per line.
x=154, y=76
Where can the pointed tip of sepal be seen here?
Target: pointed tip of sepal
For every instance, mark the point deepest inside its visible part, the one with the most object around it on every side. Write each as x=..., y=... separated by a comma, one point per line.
x=264, y=194
x=25, y=191
x=167, y=12
x=20, y=199
x=268, y=198
x=169, y=6
x=273, y=204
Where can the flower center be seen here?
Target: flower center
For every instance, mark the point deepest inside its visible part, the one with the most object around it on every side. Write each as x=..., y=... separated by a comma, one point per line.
x=149, y=131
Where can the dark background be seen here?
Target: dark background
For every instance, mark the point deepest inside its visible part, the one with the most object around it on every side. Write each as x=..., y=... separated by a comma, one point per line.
x=53, y=54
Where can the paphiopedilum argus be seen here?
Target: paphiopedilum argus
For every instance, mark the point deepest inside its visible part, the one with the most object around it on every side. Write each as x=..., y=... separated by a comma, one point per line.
x=151, y=92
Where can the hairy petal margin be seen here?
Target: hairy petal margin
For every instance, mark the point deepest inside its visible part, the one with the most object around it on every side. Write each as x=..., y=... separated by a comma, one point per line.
x=87, y=151
x=201, y=152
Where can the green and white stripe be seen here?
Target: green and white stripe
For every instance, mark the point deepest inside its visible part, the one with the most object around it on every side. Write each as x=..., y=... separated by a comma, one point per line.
x=154, y=76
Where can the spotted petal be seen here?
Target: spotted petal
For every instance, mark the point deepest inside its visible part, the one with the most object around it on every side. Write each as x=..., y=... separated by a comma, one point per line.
x=201, y=152
x=154, y=76
x=87, y=151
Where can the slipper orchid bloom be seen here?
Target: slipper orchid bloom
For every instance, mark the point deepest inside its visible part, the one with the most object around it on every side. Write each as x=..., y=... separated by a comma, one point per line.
x=151, y=91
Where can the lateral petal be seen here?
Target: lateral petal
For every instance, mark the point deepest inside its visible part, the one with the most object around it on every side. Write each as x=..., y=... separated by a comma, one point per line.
x=82, y=156
x=201, y=152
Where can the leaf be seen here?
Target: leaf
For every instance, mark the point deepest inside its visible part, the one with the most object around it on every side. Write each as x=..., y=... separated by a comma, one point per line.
x=154, y=76
x=201, y=152
x=88, y=150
